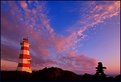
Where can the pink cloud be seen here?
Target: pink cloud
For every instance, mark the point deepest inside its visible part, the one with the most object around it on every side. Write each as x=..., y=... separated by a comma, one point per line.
x=23, y=4
x=44, y=21
x=47, y=63
x=23, y=30
x=79, y=63
x=40, y=51
x=45, y=39
x=5, y=64
x=100, y=13
x=64, y=43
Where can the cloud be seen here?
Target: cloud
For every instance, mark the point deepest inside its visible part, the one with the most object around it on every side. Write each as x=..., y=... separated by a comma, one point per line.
x=5, y=64
x=78, y=62
x=33, y=14
x=12, y=35
x=46, y=47
x=23, y=29
x=44, y=63
x=98, y=14
x=23, y=5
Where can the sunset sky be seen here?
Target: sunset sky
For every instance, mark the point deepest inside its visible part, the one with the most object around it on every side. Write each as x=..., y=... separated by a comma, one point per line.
x=72, y=35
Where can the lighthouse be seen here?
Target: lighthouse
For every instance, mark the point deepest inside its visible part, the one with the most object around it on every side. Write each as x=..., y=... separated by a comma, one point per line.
x=24, y=63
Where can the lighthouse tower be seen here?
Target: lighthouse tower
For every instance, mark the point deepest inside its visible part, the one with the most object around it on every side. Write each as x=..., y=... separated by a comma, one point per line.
x=24, y=58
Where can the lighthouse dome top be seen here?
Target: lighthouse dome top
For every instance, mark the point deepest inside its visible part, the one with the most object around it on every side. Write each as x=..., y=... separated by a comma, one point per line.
x=25, y=40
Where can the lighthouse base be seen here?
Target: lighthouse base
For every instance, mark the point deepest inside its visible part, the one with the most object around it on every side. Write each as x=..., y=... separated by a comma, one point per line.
x=25, y=69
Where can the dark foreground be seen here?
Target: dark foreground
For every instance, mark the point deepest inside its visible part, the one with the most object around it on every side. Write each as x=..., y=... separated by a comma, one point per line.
x=52, y=74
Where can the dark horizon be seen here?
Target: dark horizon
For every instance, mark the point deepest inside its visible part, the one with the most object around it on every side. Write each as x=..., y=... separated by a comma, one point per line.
x=112, y=75
x=53, y=73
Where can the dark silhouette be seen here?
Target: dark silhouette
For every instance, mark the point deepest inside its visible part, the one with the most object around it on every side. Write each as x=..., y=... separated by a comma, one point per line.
x=100, y=72
x=54, y=73
x=51, y=74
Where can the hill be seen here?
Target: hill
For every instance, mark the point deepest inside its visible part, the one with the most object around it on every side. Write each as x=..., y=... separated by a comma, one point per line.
x=51, y=74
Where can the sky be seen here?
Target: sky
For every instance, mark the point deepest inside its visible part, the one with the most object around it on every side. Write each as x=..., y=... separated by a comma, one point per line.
x=72, y=35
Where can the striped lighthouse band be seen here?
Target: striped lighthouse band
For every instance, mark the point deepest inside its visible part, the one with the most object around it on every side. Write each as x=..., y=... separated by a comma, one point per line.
x=24, y=65
x=25, y=44
x=24, y=48
x=24, y=52
x=27, y=61
x=26, y=69
x=24, y=56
